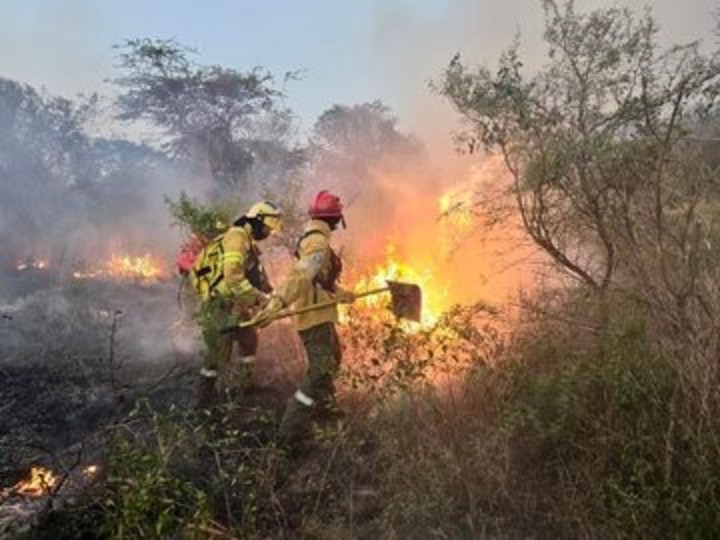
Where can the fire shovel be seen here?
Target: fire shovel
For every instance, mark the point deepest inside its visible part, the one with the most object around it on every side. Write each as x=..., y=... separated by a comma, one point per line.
x=406, y=303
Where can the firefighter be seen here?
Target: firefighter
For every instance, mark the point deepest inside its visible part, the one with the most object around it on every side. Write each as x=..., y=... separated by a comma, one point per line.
x=312, y=280
x=233, y=286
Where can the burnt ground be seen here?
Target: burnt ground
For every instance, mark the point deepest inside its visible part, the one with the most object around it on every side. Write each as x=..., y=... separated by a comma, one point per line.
x=76, y=355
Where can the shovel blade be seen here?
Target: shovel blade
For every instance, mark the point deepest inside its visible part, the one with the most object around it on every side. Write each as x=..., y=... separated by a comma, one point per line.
x=406, y=300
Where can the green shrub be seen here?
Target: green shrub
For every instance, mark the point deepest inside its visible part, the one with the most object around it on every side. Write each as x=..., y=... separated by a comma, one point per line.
x=590, y=433
x=146, y=497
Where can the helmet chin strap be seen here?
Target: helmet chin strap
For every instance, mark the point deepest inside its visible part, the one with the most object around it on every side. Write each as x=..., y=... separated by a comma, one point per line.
x=334, y=222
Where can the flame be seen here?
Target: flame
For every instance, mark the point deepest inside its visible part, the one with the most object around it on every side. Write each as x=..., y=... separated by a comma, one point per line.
x=127, y=267
x=435, y=293
x=423, y=256
x=144, y=268
x=451, y=229
x=40, y=482
x=87, y=275
x=91, y=471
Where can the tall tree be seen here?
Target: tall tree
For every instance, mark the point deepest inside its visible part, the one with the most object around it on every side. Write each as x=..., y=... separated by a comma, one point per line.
x=590, y=138
x=348, y=142
x=226, y=119
x=615, y=177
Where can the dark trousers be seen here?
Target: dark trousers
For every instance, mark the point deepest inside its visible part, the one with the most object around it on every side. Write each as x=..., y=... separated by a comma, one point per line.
x=316, y=394
x=215, y=315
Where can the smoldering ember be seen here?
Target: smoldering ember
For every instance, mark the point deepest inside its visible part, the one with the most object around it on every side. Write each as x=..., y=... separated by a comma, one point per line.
x=432, y=269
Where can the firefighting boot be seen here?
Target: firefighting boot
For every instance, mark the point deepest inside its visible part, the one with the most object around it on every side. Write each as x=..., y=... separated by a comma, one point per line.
x=328, y=415
x=205, y=395
x=238, y=379
x=295, y=427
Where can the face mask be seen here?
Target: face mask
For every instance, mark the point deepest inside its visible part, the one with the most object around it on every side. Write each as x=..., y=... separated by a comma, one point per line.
x=333, y=223
x=260, y=231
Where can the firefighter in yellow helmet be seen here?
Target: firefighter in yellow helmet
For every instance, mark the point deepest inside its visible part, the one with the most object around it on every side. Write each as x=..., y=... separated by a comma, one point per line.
x=237, y=290
x=313, y=280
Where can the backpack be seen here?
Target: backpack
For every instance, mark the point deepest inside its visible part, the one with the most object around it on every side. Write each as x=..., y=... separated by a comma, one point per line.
x=188, y=254
x=207, y=269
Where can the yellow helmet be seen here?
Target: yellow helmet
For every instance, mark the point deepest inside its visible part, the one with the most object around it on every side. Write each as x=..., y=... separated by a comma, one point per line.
x=266, y=212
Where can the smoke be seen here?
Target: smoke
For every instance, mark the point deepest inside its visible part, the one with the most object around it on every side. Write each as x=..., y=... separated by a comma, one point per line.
x=405, y=205
x=73, y=201
x=414, y=44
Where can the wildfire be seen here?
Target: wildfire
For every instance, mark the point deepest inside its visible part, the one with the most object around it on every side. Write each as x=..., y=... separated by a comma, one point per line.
x=425, y=255
x=134, y=267
x=435, y=293
x=91, y=471
x=140, y=268
x=40, y=482
x=127, y=268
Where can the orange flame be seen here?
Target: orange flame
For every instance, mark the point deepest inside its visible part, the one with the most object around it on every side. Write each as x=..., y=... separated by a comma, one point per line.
x=126, y=267
x=91, y=471
x=40, y=482
x=422, y=255
x=144, y=268
x=435, y=293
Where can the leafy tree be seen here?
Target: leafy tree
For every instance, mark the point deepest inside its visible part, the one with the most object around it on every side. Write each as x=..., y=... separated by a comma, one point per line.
x=348, y=142
x=56, y=179
x=203, y=221
x=615, y=175
x=220, y=117
x=591, y=140
x=42, y=136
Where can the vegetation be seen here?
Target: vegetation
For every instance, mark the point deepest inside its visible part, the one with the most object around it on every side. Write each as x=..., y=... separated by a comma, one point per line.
x=219, y=118
x=560, y=432
x=591, y=412
x=202, y=220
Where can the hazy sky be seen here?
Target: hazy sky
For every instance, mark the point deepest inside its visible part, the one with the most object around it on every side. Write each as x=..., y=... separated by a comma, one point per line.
x=350, y=50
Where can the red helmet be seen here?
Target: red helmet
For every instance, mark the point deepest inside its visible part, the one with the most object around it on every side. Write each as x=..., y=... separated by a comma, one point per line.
x=325, y=204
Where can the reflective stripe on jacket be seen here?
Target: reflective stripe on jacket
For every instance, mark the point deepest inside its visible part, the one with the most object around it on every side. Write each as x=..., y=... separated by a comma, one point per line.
x=299, y=289
x=237, y=245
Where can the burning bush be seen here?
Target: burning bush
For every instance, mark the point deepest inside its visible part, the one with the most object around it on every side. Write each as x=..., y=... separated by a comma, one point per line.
x=384, y=357
x=594, y=413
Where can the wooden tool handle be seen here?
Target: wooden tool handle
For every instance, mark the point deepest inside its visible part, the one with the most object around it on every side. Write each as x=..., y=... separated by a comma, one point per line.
x=313, y=307
x=328, y=303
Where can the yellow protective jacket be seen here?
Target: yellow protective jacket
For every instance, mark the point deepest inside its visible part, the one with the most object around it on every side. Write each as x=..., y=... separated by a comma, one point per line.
x=240, y=253
x=300, y=287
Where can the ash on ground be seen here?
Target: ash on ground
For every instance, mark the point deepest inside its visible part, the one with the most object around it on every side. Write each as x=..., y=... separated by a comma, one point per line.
x=71, y=352
x=74, y=354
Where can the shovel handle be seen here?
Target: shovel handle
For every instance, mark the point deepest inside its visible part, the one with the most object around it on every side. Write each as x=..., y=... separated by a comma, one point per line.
x=307, y=309
x=328, y=303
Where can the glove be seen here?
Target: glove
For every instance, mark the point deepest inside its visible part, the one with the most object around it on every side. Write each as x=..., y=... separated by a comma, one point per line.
x=262, y=299
x=345, y=297
x=270, y=312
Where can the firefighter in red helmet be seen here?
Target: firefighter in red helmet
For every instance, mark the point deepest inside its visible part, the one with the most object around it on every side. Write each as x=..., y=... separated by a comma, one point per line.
x=313, y=280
